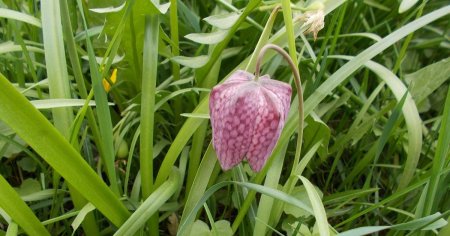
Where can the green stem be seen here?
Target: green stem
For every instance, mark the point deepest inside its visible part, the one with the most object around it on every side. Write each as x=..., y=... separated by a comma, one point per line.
x=287, y=15
x=174, y=38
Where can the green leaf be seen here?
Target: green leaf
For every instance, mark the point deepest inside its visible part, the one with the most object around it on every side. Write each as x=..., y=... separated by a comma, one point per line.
x=19, y=212
x=15, y=15
x=195, y=115
x=151, y=205
x=32, y=126
x=208, y=38
x=378, y=5
x=300, y=193
x=223, y=21
x=9, y=46
x=316, y=131
x=61, y=102
x=41, y=195
x=29, y=186
x=280, y=195
x=108, y=9
x=191, y=62
x=425, y=81
x=159, y=8
x=223, y=228
x=10, y=144
x=81, y=215
x=421, y=223
x=199, y=228
x=317, y=206
x=406, y=5
x=27, y=164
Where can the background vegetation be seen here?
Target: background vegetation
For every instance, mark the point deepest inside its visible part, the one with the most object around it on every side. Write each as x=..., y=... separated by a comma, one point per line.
x=104, y=125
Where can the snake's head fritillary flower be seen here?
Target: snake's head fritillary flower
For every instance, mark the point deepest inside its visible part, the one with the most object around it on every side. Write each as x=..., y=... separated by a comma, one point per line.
x=247, y=117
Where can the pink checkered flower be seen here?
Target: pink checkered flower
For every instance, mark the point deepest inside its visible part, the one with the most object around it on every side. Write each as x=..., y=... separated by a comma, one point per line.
x=247, y=117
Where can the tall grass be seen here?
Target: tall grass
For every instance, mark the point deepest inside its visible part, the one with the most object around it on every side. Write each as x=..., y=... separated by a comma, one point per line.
x=371, y=155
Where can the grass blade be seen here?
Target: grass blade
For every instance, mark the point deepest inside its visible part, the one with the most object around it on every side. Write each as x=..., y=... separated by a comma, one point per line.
x=151, y=205
x=32, y=126
x=19, y=212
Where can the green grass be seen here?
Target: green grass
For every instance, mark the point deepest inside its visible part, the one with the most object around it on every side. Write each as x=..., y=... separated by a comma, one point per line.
x=371, y=154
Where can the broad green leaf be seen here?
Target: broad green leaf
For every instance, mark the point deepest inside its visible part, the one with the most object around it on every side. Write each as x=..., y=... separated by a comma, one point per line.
x=425, y=81
x=191, y=62
x=223, y=228
x=27, y=164
x=316, y=131
x=301, y=194
x=208, y=38
x=223, y=21
x=28, y=186
x=199, y=228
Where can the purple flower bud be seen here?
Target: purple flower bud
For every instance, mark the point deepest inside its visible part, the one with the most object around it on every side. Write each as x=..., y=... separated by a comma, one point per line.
x=247, y=117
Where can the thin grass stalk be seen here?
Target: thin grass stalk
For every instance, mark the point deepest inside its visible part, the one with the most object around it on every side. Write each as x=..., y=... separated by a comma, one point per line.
x=407, y=41
x=178, y=102
x=287, y=15
x=103, y=113
x=26, y=54
x=78, y=73
x=174, y=37
x=439, y=160
x=89, y=225
x=149, y=77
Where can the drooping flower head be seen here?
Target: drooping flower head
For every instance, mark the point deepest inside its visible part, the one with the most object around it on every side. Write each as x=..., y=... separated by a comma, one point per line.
x=247, y=117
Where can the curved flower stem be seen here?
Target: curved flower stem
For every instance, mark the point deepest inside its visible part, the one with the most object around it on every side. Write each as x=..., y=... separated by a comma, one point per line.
x=298, y=83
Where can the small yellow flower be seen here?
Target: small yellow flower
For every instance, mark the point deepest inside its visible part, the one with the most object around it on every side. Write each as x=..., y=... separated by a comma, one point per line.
x=112, y=79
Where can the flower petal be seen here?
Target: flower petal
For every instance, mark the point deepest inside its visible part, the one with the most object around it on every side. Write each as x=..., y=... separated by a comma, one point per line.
x=280, y=89
x=268, y=125
x=232, y=118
